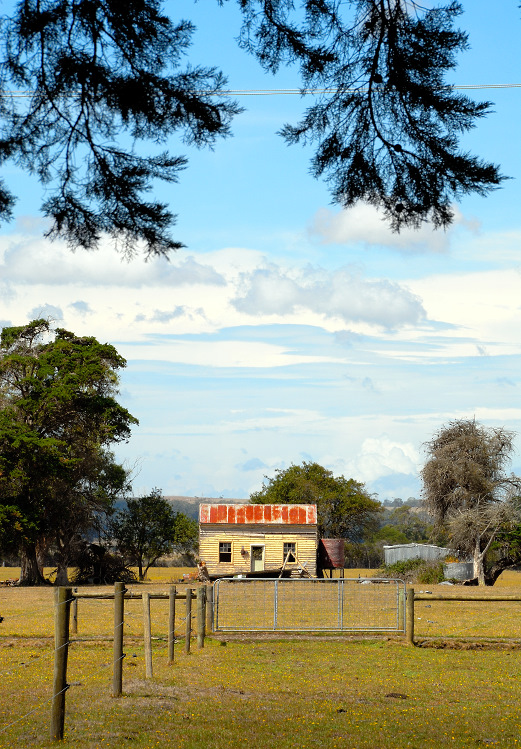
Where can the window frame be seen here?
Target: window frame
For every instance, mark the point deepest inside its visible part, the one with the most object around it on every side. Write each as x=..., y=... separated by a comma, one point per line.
x=225, y=553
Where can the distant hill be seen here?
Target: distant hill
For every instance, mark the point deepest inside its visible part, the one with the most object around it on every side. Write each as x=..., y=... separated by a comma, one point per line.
x=190, y=505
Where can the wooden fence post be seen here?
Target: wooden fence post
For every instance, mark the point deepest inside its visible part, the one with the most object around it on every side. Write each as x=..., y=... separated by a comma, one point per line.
x=409, y=617
x=119, y=604
x=188, y=619
x=62, y=607
x=401, y=608
x=209, y=608
x=171, y=623
x=74, y=623
x=201, y=615
x=147, y=635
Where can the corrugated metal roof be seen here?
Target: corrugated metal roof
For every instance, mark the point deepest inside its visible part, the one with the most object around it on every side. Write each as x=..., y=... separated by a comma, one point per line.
x=258, y=514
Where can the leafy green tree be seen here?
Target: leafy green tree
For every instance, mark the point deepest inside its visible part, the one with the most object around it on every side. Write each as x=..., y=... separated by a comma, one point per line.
x=58, y=414
x=344, y=506
x=364, y=555
x=390, y=535
x=148, y=528
x=467, y=490
x=85, y=497
x=97, y=74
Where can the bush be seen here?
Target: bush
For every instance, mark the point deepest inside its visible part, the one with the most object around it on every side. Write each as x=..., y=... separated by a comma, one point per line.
x=415, y=570
x=95, y=565
x=431, y=573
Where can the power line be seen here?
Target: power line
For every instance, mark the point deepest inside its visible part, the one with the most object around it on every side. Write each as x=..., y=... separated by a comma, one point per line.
x=318, y=91
x=291, y=91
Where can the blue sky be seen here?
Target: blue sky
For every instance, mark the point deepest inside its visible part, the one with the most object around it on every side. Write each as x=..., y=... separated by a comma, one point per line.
x=288, y=329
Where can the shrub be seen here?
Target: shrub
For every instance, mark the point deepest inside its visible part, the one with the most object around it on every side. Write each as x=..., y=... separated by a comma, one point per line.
x=95, y=565
x=430, y=573
x=415, y=570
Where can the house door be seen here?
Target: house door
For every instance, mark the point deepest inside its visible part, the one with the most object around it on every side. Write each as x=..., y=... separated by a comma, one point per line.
x=257, y=558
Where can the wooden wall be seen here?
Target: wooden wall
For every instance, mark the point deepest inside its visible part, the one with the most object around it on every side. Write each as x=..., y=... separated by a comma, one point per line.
x=272, y=537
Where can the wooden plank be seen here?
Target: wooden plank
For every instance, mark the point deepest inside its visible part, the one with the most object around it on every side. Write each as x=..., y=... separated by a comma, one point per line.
x=147, y=635
x=131, y=596
x=171, y=623
x=119, y=608
x=409, y=617
x=62, y=602
x=201, y=615
x=441, y=597
x=188, y=631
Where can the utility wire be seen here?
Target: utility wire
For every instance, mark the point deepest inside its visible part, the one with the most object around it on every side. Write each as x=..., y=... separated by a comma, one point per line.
x=290, y=91
x=333, y=90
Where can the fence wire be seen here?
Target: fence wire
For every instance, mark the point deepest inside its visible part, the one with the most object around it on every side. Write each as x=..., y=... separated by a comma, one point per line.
x=291, y=605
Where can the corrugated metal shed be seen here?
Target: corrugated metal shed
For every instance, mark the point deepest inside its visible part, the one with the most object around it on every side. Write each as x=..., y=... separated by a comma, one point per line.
x=401, y=552
x=258, y=514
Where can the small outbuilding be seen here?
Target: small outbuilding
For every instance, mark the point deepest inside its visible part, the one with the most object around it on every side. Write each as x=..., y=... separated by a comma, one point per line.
x=403, y=552
x=257, y=539
x=331, y=556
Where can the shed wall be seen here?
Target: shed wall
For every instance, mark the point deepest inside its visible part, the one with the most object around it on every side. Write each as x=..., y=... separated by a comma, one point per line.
x=459, y=570
x=272, y=537
x=403, y=552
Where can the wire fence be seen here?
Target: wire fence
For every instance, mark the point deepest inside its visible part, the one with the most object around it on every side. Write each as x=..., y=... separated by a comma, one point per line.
x=22, y=646
x=292, y=605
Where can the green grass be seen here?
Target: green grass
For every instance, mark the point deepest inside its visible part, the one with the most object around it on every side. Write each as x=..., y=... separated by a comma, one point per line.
x=292, y=694
x=284, y=694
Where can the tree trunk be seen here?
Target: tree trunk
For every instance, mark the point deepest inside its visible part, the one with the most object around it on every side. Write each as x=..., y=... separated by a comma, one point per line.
x=62, y=557
x=478, y=562
x=62, y=574
x=498, y=567
x=42, y=546
x=30, y=573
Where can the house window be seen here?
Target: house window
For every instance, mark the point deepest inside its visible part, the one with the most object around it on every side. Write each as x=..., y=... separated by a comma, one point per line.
x=225, y=551
x=291, y=549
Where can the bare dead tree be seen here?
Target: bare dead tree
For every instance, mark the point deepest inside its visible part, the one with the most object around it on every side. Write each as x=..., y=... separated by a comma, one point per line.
x=467, y=490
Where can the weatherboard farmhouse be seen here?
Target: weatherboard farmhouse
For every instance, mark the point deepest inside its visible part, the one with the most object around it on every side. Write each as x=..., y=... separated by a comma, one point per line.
x=241, y=539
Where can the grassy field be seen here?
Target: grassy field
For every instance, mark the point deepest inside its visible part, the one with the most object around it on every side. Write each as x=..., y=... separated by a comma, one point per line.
x=294, y=693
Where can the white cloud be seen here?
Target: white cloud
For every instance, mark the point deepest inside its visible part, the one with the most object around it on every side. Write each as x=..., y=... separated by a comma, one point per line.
x=381, y=456
x=35, y=260
x=205, y=353
x=46, y=310
x=484, y=304
x=364, y=224
x=343, y=294
x=81, y=307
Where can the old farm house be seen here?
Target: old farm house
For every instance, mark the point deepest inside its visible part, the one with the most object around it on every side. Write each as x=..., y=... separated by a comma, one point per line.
x=256, y=539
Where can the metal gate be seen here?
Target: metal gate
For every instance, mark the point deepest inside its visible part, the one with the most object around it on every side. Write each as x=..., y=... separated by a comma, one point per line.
x=291, y=605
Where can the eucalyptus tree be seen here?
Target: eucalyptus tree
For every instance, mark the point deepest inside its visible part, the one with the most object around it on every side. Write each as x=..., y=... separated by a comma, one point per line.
x=58, y=416
x=345, y=508
x=148, y=528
